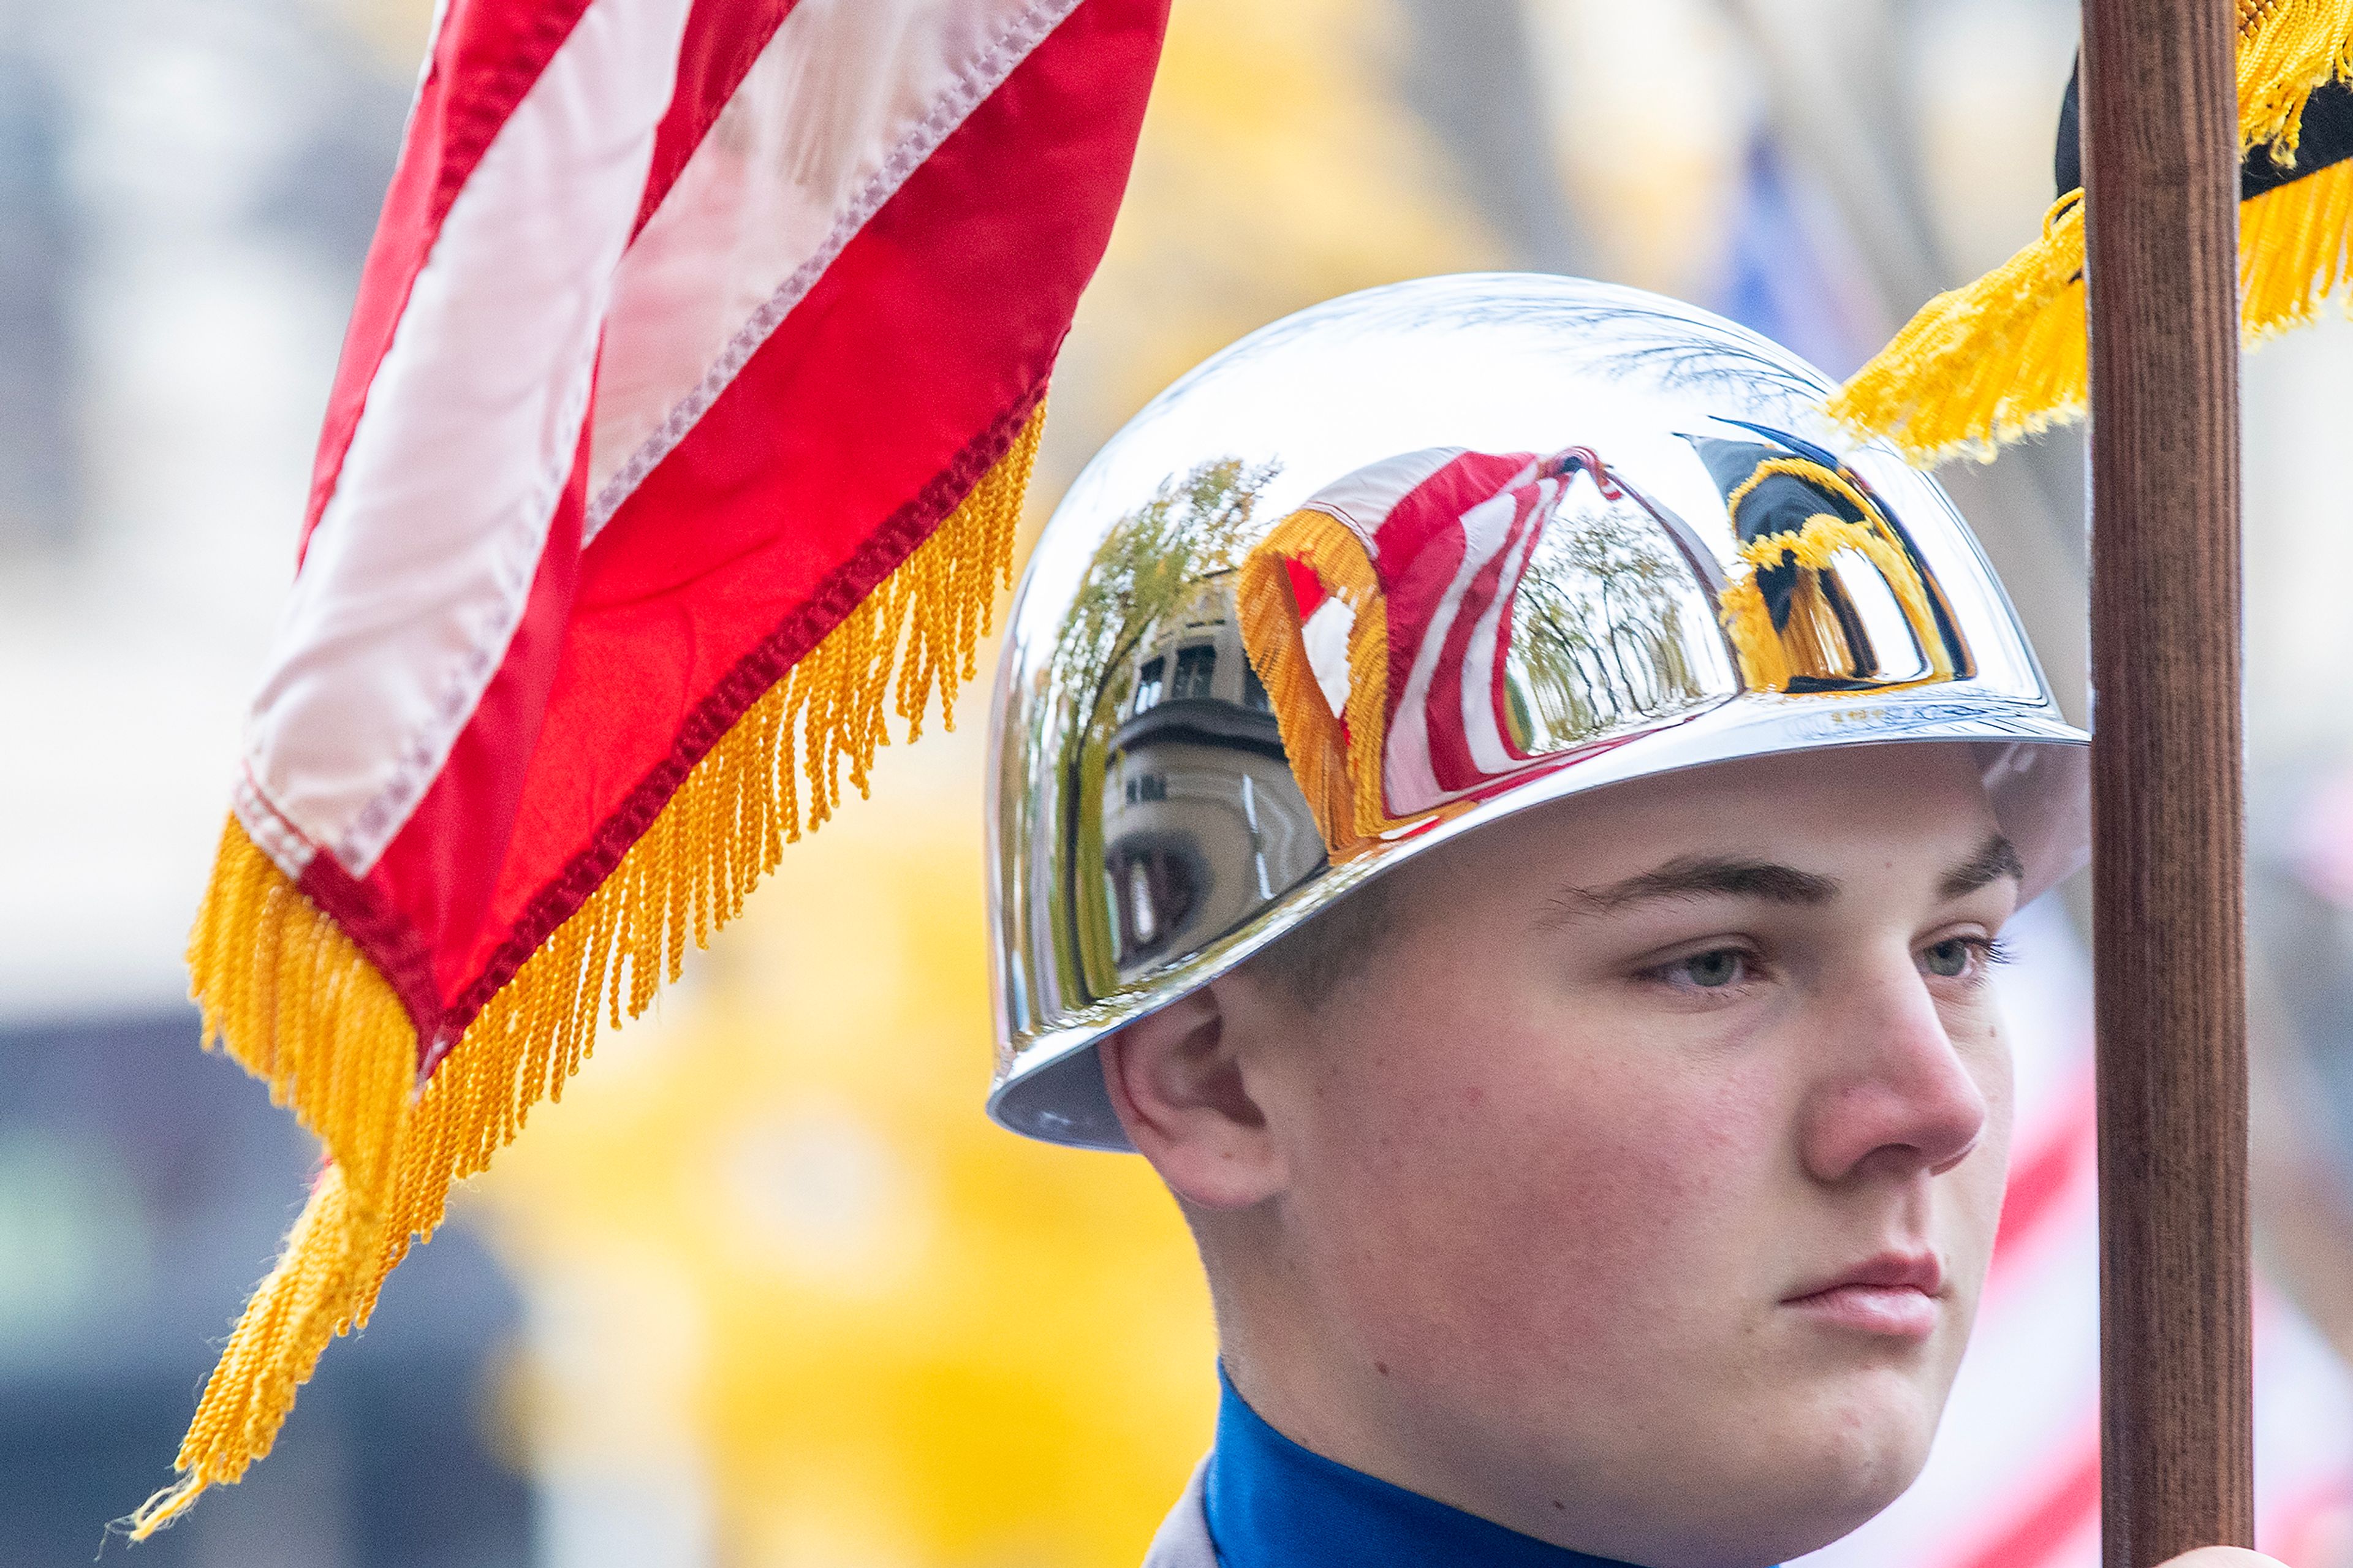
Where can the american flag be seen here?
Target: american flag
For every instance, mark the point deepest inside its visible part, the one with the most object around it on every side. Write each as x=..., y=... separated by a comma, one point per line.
x=678, y=436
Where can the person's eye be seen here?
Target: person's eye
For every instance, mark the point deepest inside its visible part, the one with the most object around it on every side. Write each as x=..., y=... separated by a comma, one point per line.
x=1718, y=969
x=1958, y=957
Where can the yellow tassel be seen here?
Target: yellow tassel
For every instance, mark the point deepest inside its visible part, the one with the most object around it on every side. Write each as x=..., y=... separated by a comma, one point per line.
x=1338, y=769
x=2003, y=358
x=1988, y=363
x=2288, y=49
x=2292, y=250
x=293, y=1000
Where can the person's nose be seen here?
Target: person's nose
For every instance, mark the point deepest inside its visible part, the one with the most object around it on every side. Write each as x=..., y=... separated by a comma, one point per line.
x=1892, y=1095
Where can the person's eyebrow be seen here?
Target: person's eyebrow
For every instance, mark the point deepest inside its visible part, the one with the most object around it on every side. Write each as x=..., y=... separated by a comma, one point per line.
x=1701, y=878
x=1996, y=859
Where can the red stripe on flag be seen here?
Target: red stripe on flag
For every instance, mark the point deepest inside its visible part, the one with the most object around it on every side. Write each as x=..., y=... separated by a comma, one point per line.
x=1451, y=756
x=724, y=37
x=381, y=932
x=1306, y=588
x=463, y=824
x=487, y=57
x=467, y=813
x=1420, y=543
x=894, y=385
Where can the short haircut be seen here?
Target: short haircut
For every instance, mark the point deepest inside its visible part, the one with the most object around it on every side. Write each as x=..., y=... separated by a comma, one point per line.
x=1310, y=962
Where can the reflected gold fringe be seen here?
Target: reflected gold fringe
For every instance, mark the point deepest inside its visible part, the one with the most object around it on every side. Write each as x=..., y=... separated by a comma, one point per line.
x=1749, y=623
x=292, y=999
x=1337, y=760
x=1765, y=664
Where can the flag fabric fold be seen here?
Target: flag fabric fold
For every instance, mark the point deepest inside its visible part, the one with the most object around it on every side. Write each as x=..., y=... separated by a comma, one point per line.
x=679, y=440
x=2003, y=358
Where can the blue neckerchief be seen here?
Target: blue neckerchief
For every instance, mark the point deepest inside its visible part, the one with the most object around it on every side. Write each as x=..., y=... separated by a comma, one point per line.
x=1272, y=1504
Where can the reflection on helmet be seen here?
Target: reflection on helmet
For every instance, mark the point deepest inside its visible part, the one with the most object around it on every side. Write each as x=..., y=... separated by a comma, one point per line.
x=1435, y=624
x=1425, y=633
x=1172, y=814
x=1202, y=824
x=1823, y=564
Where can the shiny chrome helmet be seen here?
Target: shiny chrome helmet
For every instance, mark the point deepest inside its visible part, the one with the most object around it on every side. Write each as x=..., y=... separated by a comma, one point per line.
x=1419, y=558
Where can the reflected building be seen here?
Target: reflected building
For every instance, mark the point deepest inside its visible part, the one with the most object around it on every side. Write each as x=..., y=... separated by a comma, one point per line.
x=1203, y=824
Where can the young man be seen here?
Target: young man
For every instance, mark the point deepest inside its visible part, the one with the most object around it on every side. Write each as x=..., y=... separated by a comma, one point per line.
x=1518, y=836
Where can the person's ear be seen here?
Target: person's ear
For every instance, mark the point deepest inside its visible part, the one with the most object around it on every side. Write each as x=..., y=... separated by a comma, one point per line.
x=1176, y=1080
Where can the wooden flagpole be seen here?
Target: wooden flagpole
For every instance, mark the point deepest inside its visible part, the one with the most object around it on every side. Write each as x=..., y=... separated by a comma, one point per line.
x=2161, y=157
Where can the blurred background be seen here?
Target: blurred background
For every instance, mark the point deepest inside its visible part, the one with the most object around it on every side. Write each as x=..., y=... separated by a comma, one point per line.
x=768, y=1291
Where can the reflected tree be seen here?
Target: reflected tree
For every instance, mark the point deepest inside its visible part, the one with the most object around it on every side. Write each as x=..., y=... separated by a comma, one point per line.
x=1150, y=563
x=1599, y=615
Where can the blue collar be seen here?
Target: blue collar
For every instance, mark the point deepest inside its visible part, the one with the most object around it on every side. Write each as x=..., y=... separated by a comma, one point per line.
x=1272, y=1504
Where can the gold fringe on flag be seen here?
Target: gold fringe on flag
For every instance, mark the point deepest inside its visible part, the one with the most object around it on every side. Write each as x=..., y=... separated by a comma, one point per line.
x=292, y=999
x=2292, y=250
x=2003, y=358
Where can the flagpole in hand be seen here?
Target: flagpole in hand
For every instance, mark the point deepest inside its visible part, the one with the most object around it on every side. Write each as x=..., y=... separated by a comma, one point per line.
x=2162, y=154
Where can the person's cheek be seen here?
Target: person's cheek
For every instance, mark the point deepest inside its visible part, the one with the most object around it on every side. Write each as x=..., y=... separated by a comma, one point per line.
x=1626, y=1188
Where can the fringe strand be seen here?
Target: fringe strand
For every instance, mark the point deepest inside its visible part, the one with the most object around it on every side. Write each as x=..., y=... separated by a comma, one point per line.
x=1337, y=757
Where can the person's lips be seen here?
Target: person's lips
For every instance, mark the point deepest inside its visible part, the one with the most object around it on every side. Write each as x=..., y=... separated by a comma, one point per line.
x=1893, y=1294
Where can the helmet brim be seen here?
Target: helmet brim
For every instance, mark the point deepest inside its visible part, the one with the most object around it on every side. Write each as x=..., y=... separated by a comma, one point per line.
x=2037, y=774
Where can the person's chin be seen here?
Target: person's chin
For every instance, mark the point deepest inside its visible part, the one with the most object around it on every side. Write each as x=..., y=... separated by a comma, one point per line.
x=1870, y=1431
x=1825, y=1485
x=1824, y=1502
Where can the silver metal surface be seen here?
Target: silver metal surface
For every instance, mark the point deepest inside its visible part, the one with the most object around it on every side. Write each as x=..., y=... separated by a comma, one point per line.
x=1202, y=738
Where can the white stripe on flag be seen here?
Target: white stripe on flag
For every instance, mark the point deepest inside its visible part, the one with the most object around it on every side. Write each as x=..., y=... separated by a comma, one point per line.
x=423, y=559
x=1489, y=644
x=1363, y=502
x=847, y=100
x=1407, y=772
